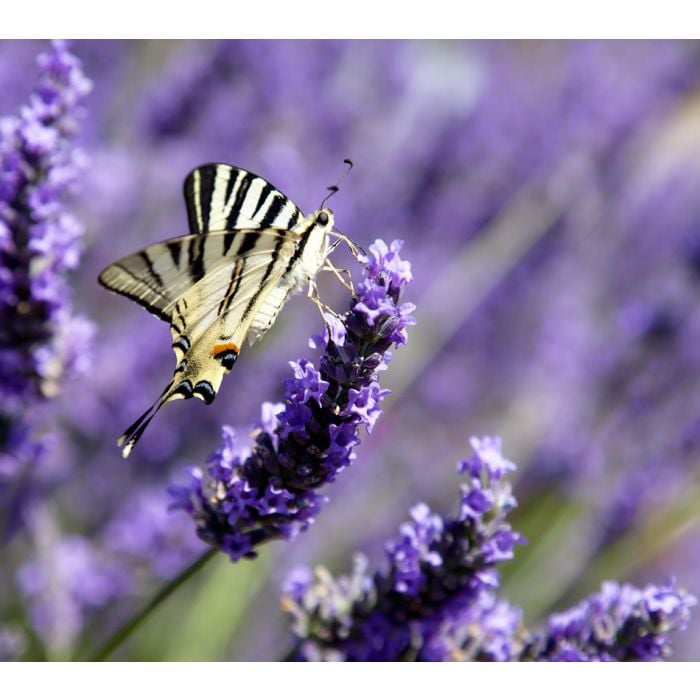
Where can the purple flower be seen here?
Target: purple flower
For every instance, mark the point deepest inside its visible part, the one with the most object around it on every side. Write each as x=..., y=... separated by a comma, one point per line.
x=297, y=582
x=620, y=623
x=435, y=599
x=388, y=263
x=307, y=383
x=248, y=497
x=487, y=630
x=413, y=550
x=365, y=404
x=41, y=342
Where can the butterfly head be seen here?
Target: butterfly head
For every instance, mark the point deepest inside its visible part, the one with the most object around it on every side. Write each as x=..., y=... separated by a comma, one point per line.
x=324, y=218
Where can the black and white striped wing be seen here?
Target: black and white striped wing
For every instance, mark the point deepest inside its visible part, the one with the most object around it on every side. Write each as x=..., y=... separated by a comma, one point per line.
x=231, y=297
x=158, y=276
x=222, y=283
x=222, y=200
x=211, y=318
x=225, y=198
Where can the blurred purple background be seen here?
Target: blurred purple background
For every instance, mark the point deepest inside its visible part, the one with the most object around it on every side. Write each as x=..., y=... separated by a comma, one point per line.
x=547, y=194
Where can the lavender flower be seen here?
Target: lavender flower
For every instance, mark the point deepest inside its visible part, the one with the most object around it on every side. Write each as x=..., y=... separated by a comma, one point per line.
x=489, y=629
x=621, y=623
x=39, y=243
x=249, y=497
x=435, y=601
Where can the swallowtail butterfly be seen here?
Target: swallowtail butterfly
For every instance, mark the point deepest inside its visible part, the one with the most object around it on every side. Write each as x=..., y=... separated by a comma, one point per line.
x=249, y=249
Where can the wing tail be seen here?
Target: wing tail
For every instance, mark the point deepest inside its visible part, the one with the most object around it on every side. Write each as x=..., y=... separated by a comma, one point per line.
x=134, y=432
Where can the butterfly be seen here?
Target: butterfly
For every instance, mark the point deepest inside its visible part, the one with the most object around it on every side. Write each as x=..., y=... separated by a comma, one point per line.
x=249, y=249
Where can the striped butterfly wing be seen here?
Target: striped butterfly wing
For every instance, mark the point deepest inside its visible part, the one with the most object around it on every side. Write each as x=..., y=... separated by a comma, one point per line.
x=225, y=198
x=214, y=283
x=221, y=199
x=226, y=301
x=160, y=275
x=212, y=318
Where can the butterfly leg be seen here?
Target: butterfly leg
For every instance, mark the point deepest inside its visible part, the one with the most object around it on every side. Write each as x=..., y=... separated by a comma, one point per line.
x=338, y=272
x=355, y=249
x=323, y=308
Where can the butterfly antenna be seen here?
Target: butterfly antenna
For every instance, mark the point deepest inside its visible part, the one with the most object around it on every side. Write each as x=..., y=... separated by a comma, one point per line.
x=334, y=188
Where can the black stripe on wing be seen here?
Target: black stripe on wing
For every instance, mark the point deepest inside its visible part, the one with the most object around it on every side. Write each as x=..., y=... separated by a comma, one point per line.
x=234, y=204
x=135, y=278
x=274, y=258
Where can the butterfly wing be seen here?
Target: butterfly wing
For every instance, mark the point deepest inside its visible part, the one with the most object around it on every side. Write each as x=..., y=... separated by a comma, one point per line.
x=161, y=274
x=222, y=197
x=227, y=298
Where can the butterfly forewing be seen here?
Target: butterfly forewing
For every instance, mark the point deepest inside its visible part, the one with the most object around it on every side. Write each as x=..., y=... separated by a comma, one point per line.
x=221, y=197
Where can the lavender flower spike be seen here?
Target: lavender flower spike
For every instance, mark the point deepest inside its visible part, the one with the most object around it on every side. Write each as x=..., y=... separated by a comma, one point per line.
x=435, y=601
x=40, y=340
x=246, y=498
x=620, y=623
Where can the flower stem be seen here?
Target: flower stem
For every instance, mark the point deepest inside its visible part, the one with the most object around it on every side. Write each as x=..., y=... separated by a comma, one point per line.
x=125, y=631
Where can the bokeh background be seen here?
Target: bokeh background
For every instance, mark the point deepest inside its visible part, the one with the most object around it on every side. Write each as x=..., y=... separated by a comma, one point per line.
x=547, y=193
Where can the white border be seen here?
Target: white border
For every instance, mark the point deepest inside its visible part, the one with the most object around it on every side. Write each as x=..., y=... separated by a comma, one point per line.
x=351, y=19
x=173, y=681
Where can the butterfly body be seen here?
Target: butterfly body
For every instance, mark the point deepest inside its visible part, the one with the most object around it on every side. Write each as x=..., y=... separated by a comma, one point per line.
x=249, y=250
x=308, y=258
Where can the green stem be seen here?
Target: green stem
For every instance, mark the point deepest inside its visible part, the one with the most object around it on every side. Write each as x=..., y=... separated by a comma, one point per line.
x=125, y=631
x=635, y=549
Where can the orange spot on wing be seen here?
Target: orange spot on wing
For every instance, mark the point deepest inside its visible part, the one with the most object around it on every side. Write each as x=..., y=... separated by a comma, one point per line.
x=224, y=347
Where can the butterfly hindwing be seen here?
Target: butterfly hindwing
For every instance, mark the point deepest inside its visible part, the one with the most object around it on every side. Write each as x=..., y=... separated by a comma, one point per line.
x=210, y=322
x=231, y=294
